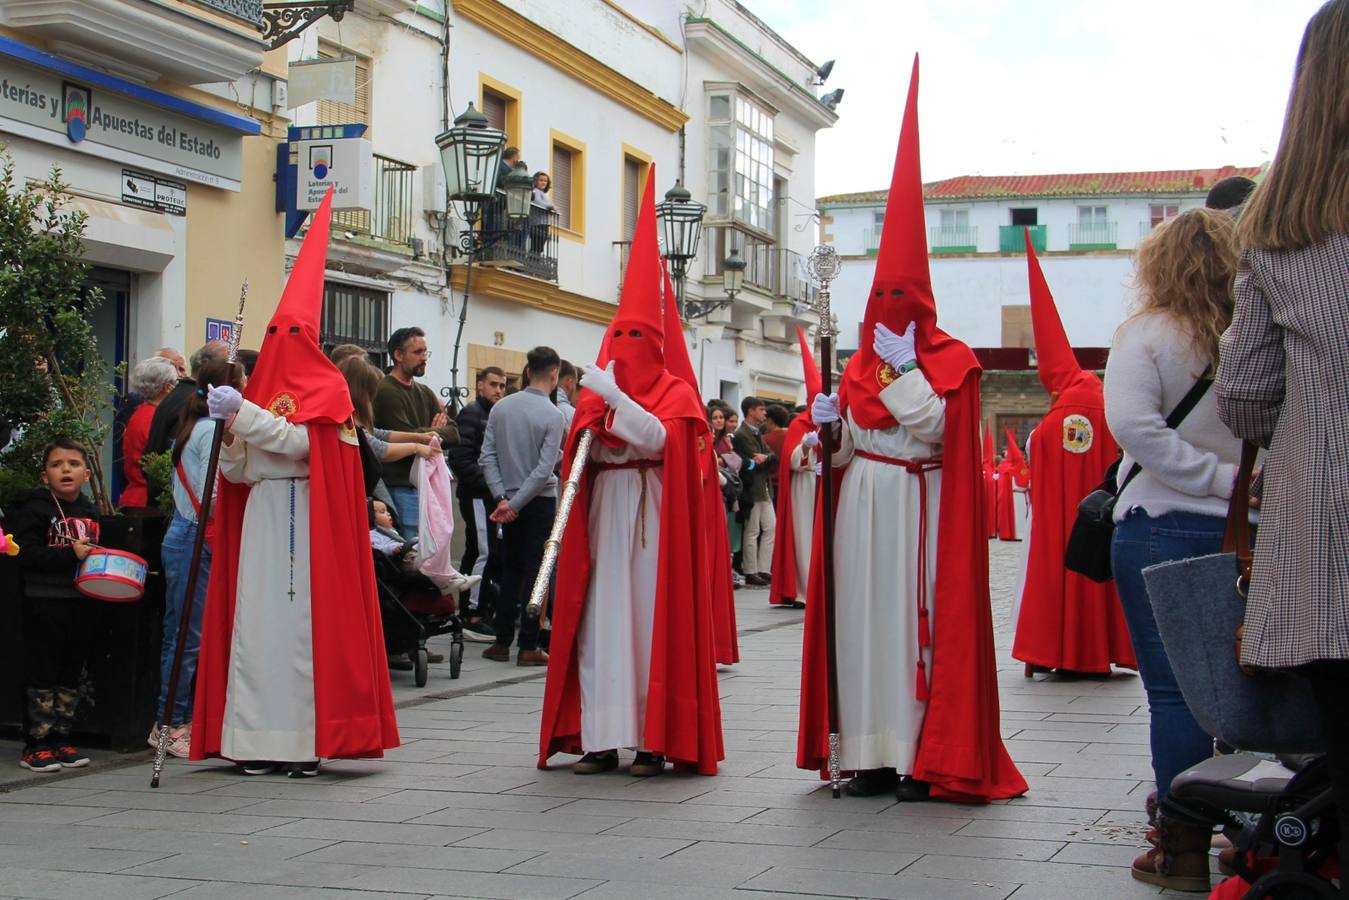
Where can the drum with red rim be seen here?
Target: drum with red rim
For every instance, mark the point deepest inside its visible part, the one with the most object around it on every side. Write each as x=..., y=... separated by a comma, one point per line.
x=115, y=576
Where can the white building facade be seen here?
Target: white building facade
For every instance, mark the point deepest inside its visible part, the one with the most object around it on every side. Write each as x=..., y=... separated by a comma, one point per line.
x=592, y=93
x=1083, y=227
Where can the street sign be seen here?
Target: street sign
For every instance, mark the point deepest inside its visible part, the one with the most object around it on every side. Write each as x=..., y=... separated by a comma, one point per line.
x=345, y=164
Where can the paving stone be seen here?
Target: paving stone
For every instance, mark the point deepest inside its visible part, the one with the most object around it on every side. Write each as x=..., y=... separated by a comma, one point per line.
x=951, y=845
x=250, y=846
x=468, y=859
x=1047, y=831
x=651, y=809
x=64, y=857
x=284, y=872
x=726, y=832
x=605, y=844
x=559, y=820
x=53, y=814
x=202, y=802
x=674, y=870
x=225, y=890
x=857, y=884
x=218, y=823
x=53, y=885
x=837, y=859
x=471, y=884
x=329, y=830
x=323, y=809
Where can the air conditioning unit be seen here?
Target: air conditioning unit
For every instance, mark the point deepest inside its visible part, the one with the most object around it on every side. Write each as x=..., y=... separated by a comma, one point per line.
x=433, y=188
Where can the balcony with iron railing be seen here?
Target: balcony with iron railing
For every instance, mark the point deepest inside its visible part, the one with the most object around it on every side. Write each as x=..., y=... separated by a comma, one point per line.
x=1011, y=238
x=953, y=238
x=528, y=245
x=392, y=213
x=871, y=241
x=1093, y=236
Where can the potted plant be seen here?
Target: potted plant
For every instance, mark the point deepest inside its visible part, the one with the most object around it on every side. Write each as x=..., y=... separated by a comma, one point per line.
x=53, y=382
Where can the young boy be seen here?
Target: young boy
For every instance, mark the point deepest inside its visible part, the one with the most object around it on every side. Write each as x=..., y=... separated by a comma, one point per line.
x=56, y=528
x=384, y=538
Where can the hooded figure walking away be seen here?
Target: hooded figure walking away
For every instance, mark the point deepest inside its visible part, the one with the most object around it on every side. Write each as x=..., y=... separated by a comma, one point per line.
x=292, y=665
x=990, y=467
x=1013, y=486
x=797, y=483
x=1067, y=621
x=632, y=661
x=917, y=678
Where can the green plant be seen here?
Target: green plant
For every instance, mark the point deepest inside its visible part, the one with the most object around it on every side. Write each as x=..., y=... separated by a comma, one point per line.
x=158, y=469
x=54, y=381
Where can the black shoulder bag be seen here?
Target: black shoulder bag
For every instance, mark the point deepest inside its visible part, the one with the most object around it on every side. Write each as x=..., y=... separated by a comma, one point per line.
x=1088, y=550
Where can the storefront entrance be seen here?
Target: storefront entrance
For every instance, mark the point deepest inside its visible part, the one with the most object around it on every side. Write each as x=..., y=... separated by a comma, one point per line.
x=111, y=323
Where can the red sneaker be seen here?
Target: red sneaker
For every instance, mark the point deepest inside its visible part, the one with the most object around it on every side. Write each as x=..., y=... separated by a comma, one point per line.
x=40, y=759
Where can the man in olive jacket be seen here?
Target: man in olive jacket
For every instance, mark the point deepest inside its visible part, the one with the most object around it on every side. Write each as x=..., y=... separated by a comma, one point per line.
x=759, y=465
x=404, y=404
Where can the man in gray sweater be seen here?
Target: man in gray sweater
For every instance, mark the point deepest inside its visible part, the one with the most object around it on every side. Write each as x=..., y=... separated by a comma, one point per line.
x=520, y=453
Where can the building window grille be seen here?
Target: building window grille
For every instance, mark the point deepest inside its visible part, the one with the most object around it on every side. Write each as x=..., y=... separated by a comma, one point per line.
x=355, y=315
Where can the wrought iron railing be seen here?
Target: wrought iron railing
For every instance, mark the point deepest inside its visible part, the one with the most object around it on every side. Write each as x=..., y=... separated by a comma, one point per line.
x=392, y=213
x=871, y=241
x=1011, y=238
x=953, y=238
x=1093, y=236
x=526, y=245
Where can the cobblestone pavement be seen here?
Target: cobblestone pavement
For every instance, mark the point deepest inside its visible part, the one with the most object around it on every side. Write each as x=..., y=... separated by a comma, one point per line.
x=460, y=810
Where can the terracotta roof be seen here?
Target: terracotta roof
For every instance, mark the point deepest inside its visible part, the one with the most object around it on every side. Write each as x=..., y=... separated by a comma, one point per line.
x=990, y=187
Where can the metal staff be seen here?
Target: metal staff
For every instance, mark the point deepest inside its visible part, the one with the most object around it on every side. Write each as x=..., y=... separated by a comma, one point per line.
x=198, y=541
x=823, y=266
x=539, y=595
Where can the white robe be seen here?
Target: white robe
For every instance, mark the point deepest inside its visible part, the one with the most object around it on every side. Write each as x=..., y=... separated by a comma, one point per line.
x=802, y=483
x=269, y=694
x=1023, y=524
x=614, y=645
x=876, y=556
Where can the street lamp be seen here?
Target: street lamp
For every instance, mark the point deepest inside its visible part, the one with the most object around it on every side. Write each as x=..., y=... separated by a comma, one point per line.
x=470, y=153
x=681, y=222
x=732, y=274
x=519, y=191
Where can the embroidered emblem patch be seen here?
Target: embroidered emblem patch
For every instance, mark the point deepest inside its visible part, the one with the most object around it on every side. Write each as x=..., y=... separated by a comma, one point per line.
x=886, y=374
x=348, y=433
x=1077, y=434
x=284, y=405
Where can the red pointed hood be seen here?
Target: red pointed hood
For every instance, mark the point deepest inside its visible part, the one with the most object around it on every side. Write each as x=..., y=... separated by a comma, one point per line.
x=677, y=361
x=293, y=377
x=1059, y=370
x=901, y=292
x=1014, y=455
x=810, y=370
x=989, y=452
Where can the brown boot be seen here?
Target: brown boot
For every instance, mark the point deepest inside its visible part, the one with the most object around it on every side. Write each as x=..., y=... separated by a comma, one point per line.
x=1179, y=861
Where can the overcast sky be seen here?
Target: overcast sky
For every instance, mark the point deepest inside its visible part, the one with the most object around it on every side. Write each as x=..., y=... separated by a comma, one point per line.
x=1041, y=86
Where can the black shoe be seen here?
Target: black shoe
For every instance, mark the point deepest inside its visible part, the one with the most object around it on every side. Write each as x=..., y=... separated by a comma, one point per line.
x=595, y=763
x=435, y=657
x=871, y=783
x=647, y=764
x=258, y=767
x=400, y=664
x=911, y=790
x=68, y=756
x=302, y=769
x=39, y=758
x=479, y=633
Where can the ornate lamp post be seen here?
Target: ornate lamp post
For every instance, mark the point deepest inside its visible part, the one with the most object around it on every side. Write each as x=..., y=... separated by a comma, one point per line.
x=519, y=192
x=681, y=223
x=470, y=152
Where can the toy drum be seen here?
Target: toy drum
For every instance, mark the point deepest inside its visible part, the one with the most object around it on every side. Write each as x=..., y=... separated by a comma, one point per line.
x=112, y=575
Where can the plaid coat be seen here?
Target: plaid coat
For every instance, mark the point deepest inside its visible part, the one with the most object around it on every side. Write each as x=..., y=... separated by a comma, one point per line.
x=1283, y=382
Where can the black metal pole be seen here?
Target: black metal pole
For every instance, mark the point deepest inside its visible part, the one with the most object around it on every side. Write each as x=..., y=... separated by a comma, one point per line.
x=827, y=537
x=471, y=216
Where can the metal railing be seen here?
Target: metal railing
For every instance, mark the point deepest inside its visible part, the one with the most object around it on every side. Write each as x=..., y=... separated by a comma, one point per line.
x=871, y=240
x=392, y=214
x=526, y=245
x=1011, y=238
x=953, y=238
x=1093, y=236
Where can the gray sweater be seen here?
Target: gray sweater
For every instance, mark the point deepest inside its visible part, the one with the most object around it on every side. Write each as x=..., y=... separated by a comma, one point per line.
x=1192, y=468
x=522, y=447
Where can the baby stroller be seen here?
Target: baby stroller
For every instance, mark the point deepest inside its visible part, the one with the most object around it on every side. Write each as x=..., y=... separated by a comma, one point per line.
x=414, y=611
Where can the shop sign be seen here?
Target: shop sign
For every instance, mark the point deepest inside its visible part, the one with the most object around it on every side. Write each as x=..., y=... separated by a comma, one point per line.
x=152, y=192
x=44, y=106
x=346, y=165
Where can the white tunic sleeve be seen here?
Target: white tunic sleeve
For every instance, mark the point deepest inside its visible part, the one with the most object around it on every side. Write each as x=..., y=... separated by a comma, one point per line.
x=911, y=400
x=234, y=461
x=639, y=428
x=259, y=428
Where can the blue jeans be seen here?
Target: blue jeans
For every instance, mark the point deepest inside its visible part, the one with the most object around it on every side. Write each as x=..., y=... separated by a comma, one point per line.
x=177, y=555
x=1141, y=541
x=405, y=509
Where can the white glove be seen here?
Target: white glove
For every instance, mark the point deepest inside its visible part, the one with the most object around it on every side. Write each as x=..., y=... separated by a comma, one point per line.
x=223, y=401
x=819, y=470
x=895, y=349
x=811, y=440
x=602, y=382
x=825, y=409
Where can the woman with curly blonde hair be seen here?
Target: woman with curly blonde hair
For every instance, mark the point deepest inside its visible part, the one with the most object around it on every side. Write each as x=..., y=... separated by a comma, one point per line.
x=1176, y=477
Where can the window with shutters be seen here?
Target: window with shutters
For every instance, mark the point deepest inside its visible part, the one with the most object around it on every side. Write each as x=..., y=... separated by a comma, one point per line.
x=333, y=112
x=635, y=167
x=500, y=103
x=568, y=172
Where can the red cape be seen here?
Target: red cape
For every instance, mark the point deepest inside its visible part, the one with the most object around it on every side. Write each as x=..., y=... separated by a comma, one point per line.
x=1067, y=620
x=784, y=588
x=1006, y=502
x=990, y=485
x=683, y=709
x=353, y=705
x=960, y=750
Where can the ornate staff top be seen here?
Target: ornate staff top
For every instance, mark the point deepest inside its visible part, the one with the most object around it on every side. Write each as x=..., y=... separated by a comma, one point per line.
x=237, y=334
x=823, y=266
